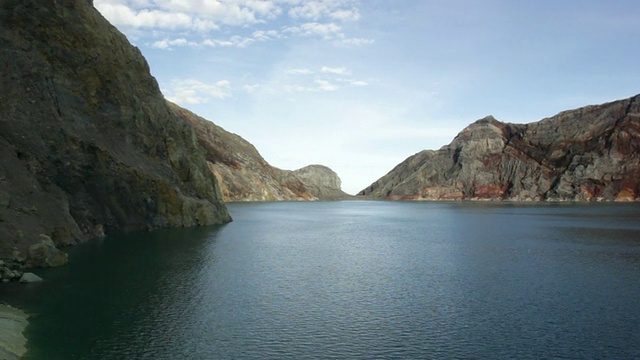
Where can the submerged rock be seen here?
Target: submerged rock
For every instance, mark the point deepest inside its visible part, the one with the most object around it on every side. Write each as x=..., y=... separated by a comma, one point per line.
x=30, y=278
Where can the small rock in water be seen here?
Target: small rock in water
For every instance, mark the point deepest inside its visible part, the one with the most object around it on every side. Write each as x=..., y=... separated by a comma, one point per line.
x=29, y=278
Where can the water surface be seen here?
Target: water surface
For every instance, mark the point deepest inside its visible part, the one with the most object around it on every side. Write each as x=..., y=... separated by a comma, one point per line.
x=358, y=280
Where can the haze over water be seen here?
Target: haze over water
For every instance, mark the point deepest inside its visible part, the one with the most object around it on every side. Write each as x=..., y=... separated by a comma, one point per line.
x=358, y=280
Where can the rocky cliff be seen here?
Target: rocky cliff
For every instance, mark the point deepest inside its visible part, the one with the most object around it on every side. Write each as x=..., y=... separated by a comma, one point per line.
x=87, y=142
x=587, y=154
x=244, y=175
x=321, y=182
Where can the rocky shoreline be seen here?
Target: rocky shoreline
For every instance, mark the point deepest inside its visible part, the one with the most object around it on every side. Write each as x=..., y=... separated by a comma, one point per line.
x=13, y=343
x=42, y=254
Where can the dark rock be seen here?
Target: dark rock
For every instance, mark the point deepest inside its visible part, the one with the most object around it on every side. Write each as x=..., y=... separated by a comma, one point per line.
x=87, y=142
x=18, y=256
x=588, y=154
x=45, y=254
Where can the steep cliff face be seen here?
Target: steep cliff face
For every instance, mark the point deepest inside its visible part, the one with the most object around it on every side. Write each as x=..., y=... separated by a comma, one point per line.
x=87, y=142
x=244, y=175
x=591, y=153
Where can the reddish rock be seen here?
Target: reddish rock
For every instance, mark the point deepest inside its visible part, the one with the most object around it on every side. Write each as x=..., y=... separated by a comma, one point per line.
x=587, y=154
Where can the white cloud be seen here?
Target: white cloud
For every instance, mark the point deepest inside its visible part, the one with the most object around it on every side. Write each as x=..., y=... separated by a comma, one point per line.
x=192, y=91
x=170, y=43
x=339, y=70
x=156, y=19
x=324, y=85
x=327, y=31
x=236, y=41
x=358, y=83
x=201, y=15
x=301, y=71
x=356, y=41
x=251, y=88
x=313, y=10
x=264, y=35
x=120, y=14
x=345, y=15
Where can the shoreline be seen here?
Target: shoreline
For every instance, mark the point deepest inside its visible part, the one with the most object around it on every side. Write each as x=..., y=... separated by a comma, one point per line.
x=13, y=322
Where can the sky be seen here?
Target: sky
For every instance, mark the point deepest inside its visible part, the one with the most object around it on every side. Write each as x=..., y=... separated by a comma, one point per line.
x=359, y=86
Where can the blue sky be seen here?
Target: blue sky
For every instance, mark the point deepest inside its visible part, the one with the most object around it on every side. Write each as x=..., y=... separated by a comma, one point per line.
x=361, y=85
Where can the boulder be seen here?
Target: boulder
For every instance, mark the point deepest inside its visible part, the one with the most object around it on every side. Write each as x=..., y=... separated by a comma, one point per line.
x=45, y=254
x=18, y=256
x=29, y=278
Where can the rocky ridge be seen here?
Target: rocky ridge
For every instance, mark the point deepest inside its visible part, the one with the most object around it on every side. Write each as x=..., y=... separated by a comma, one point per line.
x=88, y=144
x=244, y=175
x=587, y=154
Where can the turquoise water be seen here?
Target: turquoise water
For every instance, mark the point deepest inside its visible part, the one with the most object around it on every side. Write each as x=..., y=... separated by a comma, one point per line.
x=356, y=280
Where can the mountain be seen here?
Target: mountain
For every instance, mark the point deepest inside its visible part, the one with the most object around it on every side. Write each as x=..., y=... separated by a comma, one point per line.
x=88, y=144
x=244, y=175
x=587, y=154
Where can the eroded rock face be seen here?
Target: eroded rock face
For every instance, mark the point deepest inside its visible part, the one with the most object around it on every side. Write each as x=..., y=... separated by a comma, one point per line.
x=87, y=143
x=244, y=175
x=588, y=154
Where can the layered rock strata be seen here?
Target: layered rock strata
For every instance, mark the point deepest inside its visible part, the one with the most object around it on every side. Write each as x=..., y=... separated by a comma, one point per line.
x=88, y=144
x=587, y=154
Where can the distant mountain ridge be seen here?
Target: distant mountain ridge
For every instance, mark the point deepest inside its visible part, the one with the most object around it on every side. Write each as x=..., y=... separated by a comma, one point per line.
x=586, y=154
x=244, y=175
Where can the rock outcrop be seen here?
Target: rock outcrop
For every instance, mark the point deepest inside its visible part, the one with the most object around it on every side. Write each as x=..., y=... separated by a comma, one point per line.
x=88, y=144
x=244, y=175
x=321, y=182
x=588, y=154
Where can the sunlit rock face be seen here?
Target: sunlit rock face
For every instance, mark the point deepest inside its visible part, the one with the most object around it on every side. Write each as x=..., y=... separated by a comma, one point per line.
x=587, y=154
x=244, y=175
x=88, y=144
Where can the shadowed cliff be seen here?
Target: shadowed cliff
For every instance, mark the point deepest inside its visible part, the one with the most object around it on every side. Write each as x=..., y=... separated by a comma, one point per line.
x=244, y=175
x=87, y=142
x=591, y=153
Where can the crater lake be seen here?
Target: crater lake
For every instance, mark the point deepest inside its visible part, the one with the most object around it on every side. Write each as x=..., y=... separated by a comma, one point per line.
x=351, y=280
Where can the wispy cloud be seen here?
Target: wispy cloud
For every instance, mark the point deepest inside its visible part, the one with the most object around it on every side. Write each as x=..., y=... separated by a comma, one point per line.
x=324, y=30
x=301, y=71
x=338, y=70
x=197, y=20
x=325, y=85
x=251, y=88
x=358, y=83
x=235, y=41
x=355, y=41
x=324, y=78
x=315, y=10
x=192, y=91
x=171, y=43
